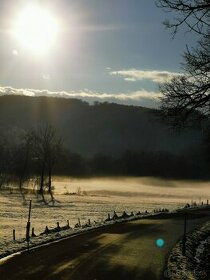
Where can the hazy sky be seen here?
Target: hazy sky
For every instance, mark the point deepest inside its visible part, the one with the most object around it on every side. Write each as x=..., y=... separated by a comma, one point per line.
x=114, y=50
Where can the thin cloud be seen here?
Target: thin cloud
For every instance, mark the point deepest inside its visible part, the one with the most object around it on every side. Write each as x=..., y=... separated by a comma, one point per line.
x=133, y=75
x=139, y=98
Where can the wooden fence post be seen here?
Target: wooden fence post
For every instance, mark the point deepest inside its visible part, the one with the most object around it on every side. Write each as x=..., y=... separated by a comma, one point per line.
x=184, y=235
x=13, y=234
x=33, y=233
x=28, y=226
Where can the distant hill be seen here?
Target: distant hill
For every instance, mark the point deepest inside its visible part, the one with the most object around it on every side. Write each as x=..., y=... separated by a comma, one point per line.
x=103, y=128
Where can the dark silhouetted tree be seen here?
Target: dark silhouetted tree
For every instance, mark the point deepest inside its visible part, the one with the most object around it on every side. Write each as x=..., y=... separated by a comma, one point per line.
x=47, y=148
x=189, y=93
x=22, y=156
x=192, y=13
x=5, y=162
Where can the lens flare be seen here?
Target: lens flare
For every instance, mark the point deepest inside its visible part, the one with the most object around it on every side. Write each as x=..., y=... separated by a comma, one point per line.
x=160, y=242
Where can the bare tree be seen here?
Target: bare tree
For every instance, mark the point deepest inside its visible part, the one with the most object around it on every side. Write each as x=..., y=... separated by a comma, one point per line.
x=5, y=162
x=21, y=158
x=195, y=14
x=47, y=147
x=53, y=153
x=189, y=94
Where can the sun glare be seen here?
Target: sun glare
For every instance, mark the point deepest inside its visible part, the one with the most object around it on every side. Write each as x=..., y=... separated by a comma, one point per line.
x=36, y=29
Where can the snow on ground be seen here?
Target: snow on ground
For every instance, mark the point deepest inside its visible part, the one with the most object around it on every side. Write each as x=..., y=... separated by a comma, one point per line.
x=98, y=197
x=195, y=264
x=11, y=247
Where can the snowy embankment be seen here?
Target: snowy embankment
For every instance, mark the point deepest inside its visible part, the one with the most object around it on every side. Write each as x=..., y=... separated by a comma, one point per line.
x=57, y=234
x=195, y=264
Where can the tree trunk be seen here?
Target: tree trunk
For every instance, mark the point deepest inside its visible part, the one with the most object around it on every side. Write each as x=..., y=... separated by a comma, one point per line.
x=41, y=190
x=50, y=185
x=20, y=188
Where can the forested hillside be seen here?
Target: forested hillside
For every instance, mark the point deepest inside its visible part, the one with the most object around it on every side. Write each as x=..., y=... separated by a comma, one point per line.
x=102, y=128
x=106, y=138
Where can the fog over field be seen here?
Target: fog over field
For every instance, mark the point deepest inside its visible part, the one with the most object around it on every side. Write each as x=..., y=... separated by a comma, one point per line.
x=94, y=199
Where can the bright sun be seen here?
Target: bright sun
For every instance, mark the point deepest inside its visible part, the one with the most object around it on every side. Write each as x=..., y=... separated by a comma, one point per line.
x=36, y=29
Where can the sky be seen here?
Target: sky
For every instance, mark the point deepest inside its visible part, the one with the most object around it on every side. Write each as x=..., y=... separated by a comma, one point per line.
x=104, y=50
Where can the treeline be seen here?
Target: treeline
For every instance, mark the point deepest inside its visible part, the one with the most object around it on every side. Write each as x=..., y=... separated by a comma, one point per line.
x=40, y=154
x=130, y=163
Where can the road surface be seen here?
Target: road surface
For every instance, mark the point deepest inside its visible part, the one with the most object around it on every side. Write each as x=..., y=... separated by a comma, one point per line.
x=122, y=251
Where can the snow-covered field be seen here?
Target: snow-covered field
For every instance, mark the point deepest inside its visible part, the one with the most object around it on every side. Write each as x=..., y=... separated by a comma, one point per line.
x=98, y=197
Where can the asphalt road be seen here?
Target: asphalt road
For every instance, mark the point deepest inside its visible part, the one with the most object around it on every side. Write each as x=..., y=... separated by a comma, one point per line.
x=122, y=251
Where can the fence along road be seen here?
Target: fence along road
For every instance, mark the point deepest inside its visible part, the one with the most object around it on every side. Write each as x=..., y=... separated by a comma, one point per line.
x=121, y=251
